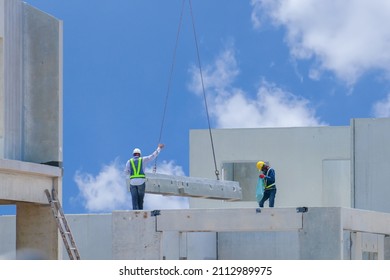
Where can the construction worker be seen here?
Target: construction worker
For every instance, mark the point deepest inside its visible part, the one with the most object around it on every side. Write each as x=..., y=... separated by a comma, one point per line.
x=135, y=168
x=268, y=174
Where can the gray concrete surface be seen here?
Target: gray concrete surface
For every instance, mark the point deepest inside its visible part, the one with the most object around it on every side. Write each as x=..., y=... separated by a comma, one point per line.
x=30, y=121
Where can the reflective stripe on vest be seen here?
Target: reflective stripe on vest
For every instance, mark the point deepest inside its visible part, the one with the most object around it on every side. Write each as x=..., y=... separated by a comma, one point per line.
x=269, y=186
x=136, y=172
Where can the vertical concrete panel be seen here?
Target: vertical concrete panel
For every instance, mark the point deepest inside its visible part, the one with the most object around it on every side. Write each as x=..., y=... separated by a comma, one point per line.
x=2, y=18
x=386, y=244
x=189, y=245
x=336, y=183
x=2, y=94
x=171, y=245
x=93, y=236
x=42, y=59
x=7, y=237
x=322, y=236
x=202, y=245
x=244, y=172
x=347, y=241
x=247, y=174
x=36, y=229
x=371, y=138
x=135, y=236
x=258, y=245
x=13, y=79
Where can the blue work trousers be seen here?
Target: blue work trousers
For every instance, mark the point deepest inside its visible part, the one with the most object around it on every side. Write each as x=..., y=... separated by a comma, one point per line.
x=137, y=196
x=268, y=194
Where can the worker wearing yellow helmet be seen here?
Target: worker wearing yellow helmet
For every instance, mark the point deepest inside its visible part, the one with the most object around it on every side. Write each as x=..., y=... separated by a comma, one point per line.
x=268, y=175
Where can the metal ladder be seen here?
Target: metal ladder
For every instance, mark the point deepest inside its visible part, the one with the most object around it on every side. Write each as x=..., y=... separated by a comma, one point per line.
x=62, y=224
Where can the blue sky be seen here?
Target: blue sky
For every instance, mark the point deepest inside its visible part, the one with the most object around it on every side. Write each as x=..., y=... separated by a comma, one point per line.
x=265, y=63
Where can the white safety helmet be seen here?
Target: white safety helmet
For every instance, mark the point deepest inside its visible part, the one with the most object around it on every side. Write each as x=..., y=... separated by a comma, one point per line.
x=136, y=151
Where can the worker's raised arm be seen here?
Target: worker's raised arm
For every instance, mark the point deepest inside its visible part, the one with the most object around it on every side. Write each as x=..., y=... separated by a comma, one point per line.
x=151, y=157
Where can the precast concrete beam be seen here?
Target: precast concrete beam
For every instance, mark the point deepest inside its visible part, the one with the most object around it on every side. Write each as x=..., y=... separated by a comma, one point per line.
x=230, y=220
x=192, y=187
x=26, y=182
x=365, y=221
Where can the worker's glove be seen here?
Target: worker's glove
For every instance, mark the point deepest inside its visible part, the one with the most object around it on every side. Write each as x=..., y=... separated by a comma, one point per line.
x=262, y=176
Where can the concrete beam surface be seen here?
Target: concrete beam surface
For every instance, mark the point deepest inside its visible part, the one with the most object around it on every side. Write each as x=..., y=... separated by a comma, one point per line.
x=223, y=220
x=26, y=182
x=365, y=221
x=192, y=187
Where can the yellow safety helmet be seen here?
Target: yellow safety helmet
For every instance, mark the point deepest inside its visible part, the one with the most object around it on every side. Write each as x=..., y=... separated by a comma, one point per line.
x=260, y=165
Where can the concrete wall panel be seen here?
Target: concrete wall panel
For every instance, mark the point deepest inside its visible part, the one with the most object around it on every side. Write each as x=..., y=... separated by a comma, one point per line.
x=371, y=152
x=202, y=246
x=93, y=236
x=322, y=236
x=258, y=245
x=7, y=237
x=42, y=76
x=135, y=236
x=11, y=82
x=336, y=183
x=296, y=154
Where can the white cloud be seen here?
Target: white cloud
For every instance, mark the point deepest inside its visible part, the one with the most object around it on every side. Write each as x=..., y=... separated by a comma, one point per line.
x=156, y=201
x=256, y=13
x=233, y=108
x=381, y=108
x=107, y=191
x=348, y=38
x=217, y=76
x=168, y=168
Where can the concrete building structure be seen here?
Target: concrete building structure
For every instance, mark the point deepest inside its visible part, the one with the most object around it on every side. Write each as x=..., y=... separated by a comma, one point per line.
x=315, y=218
x=333, y=182
x=30, y=121
x=344, y=166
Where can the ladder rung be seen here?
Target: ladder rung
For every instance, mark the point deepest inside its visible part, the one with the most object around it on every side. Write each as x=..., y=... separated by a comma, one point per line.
x=58, y=214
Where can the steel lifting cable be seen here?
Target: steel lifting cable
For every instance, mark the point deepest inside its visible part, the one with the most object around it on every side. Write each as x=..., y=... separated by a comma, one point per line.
x=201, y=78
x=170, y=80
x=204, y=92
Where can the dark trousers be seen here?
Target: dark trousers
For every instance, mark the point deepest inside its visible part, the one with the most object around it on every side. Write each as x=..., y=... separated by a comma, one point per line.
x=137, y=196
x=268, y=194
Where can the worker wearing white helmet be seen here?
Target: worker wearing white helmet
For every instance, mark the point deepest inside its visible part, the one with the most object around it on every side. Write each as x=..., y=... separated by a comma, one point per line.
x=268, y=175
x=135, y=169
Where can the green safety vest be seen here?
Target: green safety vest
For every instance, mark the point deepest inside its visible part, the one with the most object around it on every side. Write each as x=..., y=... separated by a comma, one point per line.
x=136, y=172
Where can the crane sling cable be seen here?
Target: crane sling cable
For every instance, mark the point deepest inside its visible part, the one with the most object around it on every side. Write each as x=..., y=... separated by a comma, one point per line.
x=202, y=82
x=170, y=80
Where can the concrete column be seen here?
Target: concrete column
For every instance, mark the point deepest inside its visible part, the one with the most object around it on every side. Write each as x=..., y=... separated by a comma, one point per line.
x=36, y=230
x=134, y=236
x=322, y=235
